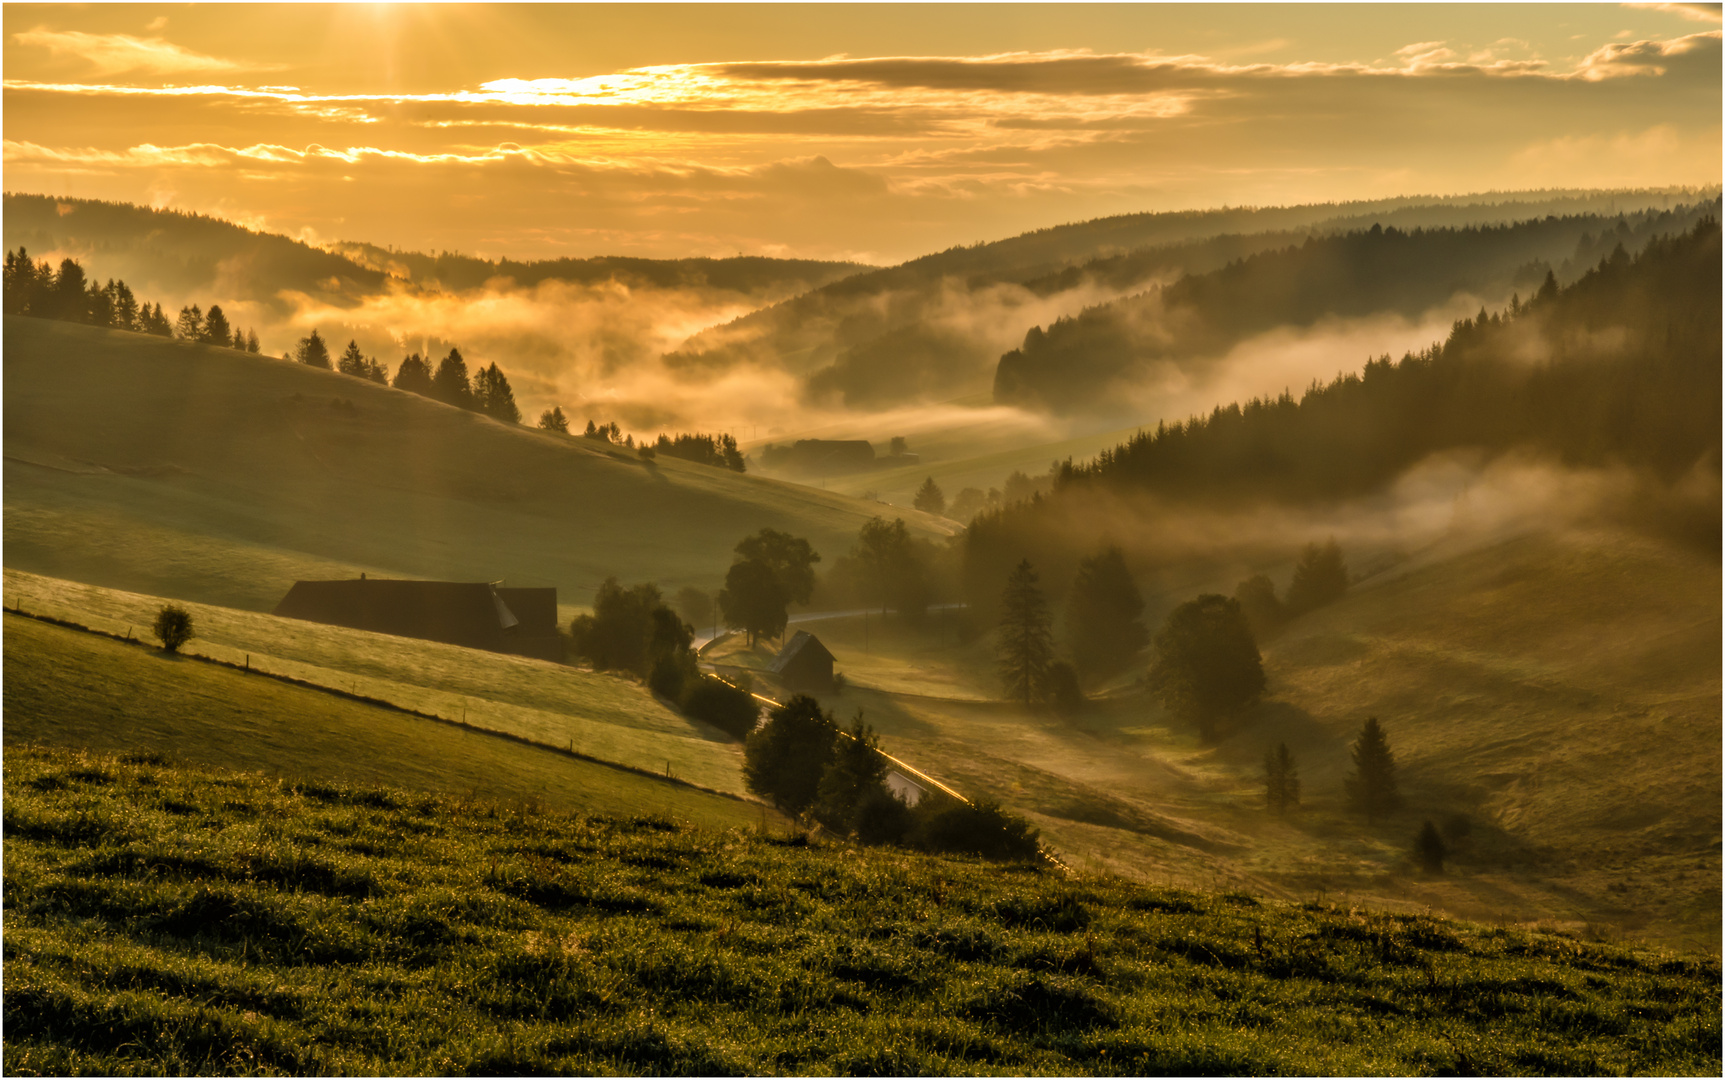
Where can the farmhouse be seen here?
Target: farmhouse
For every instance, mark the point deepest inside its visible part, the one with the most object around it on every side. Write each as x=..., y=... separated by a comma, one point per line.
x=478, y=615
x=805, y=664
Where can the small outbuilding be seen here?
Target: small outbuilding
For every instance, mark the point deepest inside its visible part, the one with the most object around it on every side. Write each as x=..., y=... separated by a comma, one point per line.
x=804, y=664
x=478, y=615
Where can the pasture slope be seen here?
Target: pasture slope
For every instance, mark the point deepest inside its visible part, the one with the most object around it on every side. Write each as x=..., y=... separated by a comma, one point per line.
x=204, y=474
x=1553, y=700
x=171, y=920
x=85, y=692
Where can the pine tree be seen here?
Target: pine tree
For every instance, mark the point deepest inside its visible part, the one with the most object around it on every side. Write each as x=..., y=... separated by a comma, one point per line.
x=190, y=325
x=1372, y=787
x=552, y=419
x=929, y=498
x=450, y=384
x=100, y=304
x=252, y=345
x=153, y=321
x=313, y=352
x=124, y=306
x=1281, y=779
x=1026, y=644
x=238, y=344
x=1104, y=617
x=216, y=330
x=414, y=376
x=1320, y=578
x=71, y=301
x=493, y=397
x=376, y=372
x=1430, y=849
x=353, y=361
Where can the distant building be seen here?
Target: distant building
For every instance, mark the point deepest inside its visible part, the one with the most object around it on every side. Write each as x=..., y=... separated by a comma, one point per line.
x=804, y=664
x=477, y=615
x=820, y=457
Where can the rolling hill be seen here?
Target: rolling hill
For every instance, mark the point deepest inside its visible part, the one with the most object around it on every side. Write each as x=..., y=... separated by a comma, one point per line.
x=203, y=474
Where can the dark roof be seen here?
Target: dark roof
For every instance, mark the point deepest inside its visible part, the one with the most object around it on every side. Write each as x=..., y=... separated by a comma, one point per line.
x=461, y=613
x=802, y=646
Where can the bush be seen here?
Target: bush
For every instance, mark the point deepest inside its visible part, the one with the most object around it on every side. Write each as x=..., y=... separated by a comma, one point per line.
x=979, y=828
x=726, y=707
x=882, y=818
x=173, y=626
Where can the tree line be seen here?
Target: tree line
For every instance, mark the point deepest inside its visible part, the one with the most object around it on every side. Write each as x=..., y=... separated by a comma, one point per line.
x=1076, y=361
x=486, y=391
x=718, y=450
x=67, y=295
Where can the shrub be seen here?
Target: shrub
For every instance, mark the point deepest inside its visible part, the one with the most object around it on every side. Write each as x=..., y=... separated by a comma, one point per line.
x=173, y=626
x=726, y=707
x=979, y=828
x=882, y=818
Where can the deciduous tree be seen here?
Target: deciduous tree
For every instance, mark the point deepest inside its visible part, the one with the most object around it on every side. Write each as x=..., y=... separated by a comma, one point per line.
x=754, y=600
x=173, y=626
x=1207, y=666
x=784, y=760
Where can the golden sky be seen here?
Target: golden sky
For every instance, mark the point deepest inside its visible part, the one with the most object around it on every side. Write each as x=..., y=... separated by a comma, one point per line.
x=834, y=131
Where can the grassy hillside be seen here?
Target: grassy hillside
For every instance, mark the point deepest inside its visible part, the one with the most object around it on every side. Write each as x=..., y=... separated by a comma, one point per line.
x=601, y=716
x=78, y=690
x=162, y=919
x=1555, y=697
x=207, y=475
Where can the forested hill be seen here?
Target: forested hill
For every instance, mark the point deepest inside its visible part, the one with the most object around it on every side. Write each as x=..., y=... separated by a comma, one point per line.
x=1082, y=363
x=743, y=274
x=177, y=254
x=1623, y=365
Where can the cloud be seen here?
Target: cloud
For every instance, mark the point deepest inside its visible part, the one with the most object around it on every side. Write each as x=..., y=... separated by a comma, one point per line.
x=116, y=54
x=1693, y=12
x=1643, y=58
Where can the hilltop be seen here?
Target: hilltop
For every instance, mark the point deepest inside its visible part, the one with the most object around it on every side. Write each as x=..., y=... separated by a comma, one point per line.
x=162, y=919
x=204, y=474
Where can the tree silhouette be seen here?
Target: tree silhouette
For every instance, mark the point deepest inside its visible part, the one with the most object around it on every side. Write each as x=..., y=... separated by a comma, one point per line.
x=1207, y=665
x=252, y=345
x=173, y=626
x=790, y=558
x=1320, y=578
x=414, y=376
x=1281, y=779
x=784, y=760
x=1372, y=787
x=450, y=384
x=552, y=419
x=312, y=351
x=353, y=362
x=929, y=498
x=493, y=397
x=216, y=329
x=1104, y=617
x=893, y=574
x=753, y=600
x=1264, y=612
x=1026, y=644
x=190, y=325
x=695, y=605
x=1430, y=849
x=857, y=771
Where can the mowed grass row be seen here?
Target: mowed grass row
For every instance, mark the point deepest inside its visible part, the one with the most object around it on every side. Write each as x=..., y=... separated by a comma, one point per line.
x=163, y=919
x=73, y=689
x=602, y=716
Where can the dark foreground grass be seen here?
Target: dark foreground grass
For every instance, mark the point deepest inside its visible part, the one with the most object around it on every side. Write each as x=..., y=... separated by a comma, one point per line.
x=163, y=919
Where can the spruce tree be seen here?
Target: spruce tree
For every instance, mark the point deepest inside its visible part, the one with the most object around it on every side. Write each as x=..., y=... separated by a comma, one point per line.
x=552, y=419
x=493, y=396
x=1026, y=644
x=353, y=362
x=1281, y=779
x=1320, y=578
x=1430, y=849
x=252, y=345
x=1104, y=617
x=216, y=329
x=190, y=325
x=929, y=498
x=414, y=376
x=1372, y=787
x=313, y=352
x=856, y=771
x=450, y=384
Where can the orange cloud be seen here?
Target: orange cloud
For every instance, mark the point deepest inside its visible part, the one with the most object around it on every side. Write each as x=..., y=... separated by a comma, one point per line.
x=116, y=54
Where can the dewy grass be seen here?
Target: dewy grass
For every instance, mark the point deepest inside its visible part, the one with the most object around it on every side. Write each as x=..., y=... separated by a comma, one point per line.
x=166, y=919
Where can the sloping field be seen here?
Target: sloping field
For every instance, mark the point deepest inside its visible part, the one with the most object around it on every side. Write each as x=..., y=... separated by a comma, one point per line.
x=74, y=689
x=601, y=716
x=1553, y=701
x=173, y=920
x=205, y=474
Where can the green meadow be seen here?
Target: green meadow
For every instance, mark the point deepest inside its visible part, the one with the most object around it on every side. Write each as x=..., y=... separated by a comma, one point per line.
x=164, y=918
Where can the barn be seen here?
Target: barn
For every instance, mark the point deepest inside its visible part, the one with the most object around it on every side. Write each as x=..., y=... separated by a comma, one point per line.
x=478, y=615
x=804, y=664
